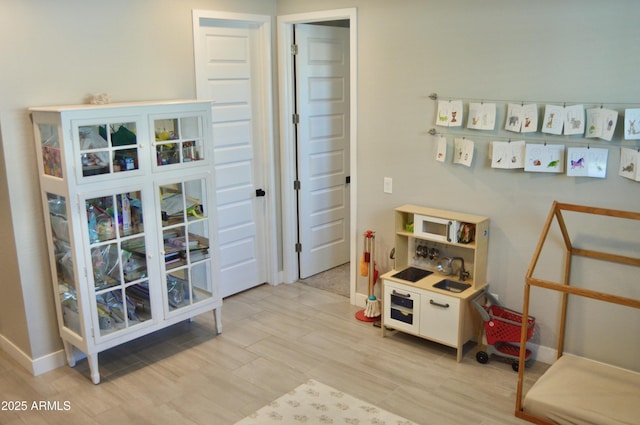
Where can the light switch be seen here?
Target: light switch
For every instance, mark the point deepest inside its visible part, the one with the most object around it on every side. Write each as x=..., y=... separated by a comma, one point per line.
x=388, y=185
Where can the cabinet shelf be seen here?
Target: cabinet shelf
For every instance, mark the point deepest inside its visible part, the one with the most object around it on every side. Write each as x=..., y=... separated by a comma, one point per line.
x=129, y=239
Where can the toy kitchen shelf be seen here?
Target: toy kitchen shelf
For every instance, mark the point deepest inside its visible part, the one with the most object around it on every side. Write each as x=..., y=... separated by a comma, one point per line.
x=440, y=266
x=128, y=198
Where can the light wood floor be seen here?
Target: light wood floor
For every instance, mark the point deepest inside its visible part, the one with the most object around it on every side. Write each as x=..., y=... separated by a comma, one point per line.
x=274, y=339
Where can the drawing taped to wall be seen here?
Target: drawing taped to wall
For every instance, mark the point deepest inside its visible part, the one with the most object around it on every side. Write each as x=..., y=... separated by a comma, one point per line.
x=449, y=113
x=574, y=119
x=463, y=151
x=587, y=162
x=441, y=148
x=601, y=123
x=530, y=121
x=508, y=155
x=553, y=119
x=629, y=159
x=521, y=118
x=632, y=124
x=482, y=116
x=544, y=158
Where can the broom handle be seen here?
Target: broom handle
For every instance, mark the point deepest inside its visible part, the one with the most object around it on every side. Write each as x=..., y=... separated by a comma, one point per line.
x=372, y=264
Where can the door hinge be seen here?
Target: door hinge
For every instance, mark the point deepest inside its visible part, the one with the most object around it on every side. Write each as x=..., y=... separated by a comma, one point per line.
x=295, y=118
x=296, y=185
x=294, y=49
x=298, y=247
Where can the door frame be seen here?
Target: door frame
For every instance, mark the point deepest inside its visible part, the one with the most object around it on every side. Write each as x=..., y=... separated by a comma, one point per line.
x=265, y=120
x=287, y=137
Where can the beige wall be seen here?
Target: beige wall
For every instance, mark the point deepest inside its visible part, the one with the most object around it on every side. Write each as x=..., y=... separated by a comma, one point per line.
x=60, y=53
x=569, y=51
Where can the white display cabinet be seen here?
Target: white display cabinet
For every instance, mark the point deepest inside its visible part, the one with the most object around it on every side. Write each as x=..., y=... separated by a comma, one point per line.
x=128, y=197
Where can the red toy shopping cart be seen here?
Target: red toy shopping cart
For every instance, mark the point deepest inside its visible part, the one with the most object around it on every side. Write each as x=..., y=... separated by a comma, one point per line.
x=502, y=328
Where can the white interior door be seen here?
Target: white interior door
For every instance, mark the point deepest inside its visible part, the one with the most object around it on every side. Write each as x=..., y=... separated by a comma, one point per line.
x=322, y=95
x=227, y=71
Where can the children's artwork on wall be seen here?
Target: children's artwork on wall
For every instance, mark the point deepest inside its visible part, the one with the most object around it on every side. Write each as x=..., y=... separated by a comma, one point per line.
x=574, y=119
x=508, y=155
x=601, y=123
x=441, y=148
x=463, y=151
x=449, y=113
x=629, y=159
x=482, y=116
x=522, y=118
x=587, y=162
x=553, y=119
x=632, y=124
x=544, y=158
x=530, y=118
x=515, y=116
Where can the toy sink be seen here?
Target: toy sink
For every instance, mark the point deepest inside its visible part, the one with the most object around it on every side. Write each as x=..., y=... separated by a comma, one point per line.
x=452, y=285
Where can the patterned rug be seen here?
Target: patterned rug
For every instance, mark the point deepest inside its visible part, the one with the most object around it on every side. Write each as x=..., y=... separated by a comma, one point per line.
x=315, y=403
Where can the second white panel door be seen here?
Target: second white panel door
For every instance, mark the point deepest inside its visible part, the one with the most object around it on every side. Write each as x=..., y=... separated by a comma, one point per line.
x=322, y=89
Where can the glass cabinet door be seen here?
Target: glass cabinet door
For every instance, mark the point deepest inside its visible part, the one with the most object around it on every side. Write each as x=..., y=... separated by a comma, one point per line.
x=185, y=233
x=107, y=147
x=179, y=140
x=64, y=264
x=118, y=260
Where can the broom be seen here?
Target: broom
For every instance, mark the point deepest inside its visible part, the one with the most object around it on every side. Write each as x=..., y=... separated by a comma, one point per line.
x=372, y=309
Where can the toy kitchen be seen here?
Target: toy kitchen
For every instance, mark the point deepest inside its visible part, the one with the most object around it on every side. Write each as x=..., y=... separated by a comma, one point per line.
x=440, y=267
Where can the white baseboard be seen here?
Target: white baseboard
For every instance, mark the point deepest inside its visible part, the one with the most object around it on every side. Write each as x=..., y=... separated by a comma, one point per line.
x=543, y=354
x=361, y=300
x=35, y=366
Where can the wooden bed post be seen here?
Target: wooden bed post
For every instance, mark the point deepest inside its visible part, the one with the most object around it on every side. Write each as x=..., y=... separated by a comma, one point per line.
x=525, y=308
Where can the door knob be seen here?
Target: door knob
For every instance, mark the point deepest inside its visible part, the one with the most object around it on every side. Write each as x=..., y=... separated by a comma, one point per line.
x=260, y=192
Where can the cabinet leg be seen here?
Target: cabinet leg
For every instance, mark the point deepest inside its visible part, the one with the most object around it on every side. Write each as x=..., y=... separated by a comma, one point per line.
x=217, y=315
x=69, y=352
x=93, y=367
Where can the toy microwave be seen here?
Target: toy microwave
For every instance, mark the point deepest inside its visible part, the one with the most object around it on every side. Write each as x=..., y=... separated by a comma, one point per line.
x=435, y=228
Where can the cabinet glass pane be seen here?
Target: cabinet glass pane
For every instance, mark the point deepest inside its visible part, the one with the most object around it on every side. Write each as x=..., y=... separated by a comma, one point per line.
x=178, y=140
x=134, y=260
x=51, y=156
x=100, y=219
x=201, y=281
x=186, y=243
x=189, y=285
x=138, y=296
x=178, y=289
x=67, y=296
x=114, y=216
x=108, y=148
x=190, y=127
x=198, y=241
x=106, y=266
x=174, y=247
x=118, y=260
x=117, y=311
